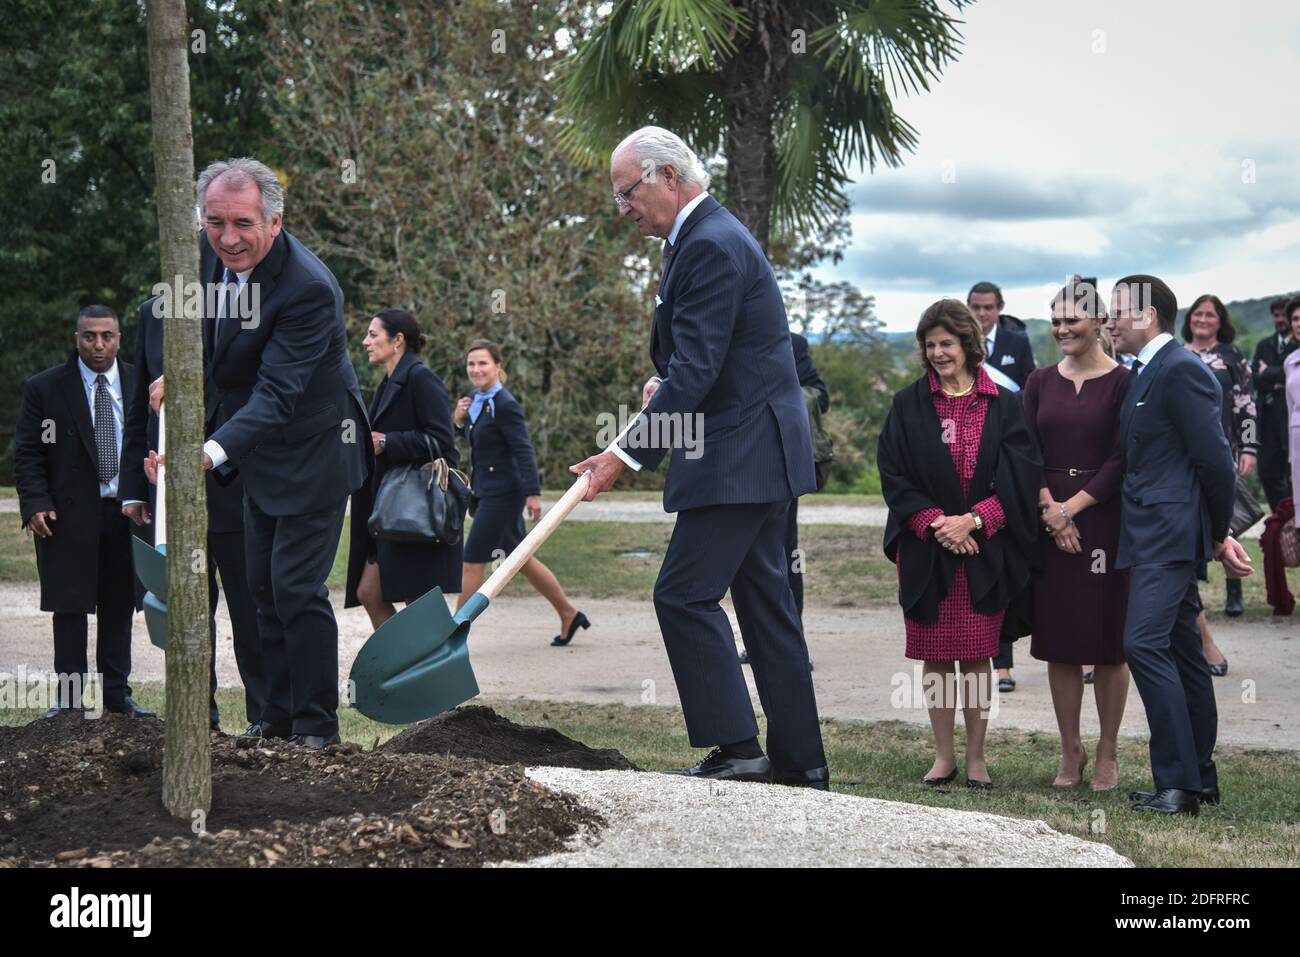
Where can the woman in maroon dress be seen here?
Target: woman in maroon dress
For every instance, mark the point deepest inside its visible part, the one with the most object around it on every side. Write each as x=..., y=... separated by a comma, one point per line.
x=960, y=474
x=1079, y=598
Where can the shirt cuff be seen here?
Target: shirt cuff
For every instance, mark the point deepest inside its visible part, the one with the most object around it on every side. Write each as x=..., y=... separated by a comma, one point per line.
x=920, y=521
x=990, y=510
x=131, y=501
x=216, y=453
x=630, y=462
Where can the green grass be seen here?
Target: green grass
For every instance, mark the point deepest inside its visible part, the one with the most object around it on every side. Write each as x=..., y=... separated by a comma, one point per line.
x=1259, y=826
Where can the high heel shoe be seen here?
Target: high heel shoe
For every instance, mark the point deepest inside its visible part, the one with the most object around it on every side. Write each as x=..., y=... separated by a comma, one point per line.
x=579, y=621
x=935, y=782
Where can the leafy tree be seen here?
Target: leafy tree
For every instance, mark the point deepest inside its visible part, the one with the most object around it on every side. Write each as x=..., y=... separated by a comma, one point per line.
x=793, y=92
x=78, y=176
x=422, y=165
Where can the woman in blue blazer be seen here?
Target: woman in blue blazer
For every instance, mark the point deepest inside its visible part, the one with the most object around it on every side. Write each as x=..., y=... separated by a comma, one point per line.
x=504, y=482
x=410, y=406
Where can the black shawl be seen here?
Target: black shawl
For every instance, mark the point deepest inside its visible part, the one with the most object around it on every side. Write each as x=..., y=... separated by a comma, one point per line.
x=917, y=472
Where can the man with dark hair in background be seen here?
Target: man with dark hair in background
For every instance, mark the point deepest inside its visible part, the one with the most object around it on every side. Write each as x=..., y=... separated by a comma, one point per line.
x=1270, y=387
x=67, y=449
x=1009, y=360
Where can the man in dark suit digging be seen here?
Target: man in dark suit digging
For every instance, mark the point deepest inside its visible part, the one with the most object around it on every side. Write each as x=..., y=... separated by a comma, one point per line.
x=720, y=343
x=284, y=409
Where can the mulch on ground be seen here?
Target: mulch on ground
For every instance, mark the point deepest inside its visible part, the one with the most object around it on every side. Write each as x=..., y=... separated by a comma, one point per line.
x=88, y=793
x=479, y=732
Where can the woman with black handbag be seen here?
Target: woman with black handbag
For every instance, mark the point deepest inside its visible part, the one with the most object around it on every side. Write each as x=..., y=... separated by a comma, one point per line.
x=410, y=419
x=505, y=482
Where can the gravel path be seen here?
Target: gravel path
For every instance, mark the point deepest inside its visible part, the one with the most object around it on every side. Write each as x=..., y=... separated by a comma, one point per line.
x=655, y=820
x=860, y=669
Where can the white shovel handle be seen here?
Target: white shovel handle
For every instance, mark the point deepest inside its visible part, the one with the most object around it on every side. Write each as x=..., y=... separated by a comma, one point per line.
x=160, y=502
x=543, y=529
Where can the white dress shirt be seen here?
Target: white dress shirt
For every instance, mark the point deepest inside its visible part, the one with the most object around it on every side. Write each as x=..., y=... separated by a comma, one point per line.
x=1150, y=349
x=114, y=384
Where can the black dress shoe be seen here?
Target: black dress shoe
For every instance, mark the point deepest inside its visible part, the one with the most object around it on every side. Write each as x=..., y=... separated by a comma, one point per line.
x=946, y=779
x=1170, y=801
x=1206, y=796
x=1220, y=669
x=819, y=779
x=316, y=741
x=719, y=767
x=579, y=621
x=259, y=731
x=128, y=706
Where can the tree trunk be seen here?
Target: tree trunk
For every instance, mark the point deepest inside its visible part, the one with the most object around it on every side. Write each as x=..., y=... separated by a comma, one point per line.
x=187, y=760
x=753, y=81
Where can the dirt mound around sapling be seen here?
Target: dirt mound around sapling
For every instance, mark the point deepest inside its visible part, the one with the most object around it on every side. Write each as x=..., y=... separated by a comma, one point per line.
x=479, y=732
x=88, y=792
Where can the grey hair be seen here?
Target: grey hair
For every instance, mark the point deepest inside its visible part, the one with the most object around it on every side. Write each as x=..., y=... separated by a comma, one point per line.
x=238, y=173
x=662, y=147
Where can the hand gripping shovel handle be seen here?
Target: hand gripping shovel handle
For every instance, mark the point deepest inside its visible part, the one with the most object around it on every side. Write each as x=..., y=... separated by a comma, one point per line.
x=541, y=531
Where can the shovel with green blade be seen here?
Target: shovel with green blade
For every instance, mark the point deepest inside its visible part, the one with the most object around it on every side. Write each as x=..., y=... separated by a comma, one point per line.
x=151, y=560
x=417, y=664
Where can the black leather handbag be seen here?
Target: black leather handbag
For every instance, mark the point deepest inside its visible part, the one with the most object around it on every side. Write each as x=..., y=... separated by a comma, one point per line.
x=1246, y=511
x=421, y=504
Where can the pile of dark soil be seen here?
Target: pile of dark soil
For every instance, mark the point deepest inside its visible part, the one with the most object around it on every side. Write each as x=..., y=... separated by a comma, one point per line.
x=88, y=793
x=479, y=732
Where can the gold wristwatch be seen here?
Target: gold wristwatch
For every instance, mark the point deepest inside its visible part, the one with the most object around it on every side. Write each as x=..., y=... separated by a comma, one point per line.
x=979, y=522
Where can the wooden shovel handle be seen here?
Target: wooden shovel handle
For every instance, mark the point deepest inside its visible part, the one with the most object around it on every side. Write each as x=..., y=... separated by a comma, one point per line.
x=160, y=500
x=534, y=540
x=542, y=530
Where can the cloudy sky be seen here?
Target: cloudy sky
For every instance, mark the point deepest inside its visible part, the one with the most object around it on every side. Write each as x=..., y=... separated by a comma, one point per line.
x=1102, y=137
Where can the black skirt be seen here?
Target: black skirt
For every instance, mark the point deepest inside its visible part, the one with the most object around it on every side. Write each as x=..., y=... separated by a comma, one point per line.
x=498, y=527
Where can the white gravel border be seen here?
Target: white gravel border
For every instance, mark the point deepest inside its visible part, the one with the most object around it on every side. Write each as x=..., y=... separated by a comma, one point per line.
x=658, y=820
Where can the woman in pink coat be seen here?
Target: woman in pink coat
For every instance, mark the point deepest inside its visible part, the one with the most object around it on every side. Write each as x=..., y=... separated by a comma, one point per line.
x=1292, y=366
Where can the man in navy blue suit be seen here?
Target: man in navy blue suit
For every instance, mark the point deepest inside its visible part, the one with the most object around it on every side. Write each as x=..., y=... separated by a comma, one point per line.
x=1179, y=484
x=284, y=411
x=720, y=343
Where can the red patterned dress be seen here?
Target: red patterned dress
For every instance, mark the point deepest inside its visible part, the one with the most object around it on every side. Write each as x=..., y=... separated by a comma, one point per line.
x=961, y=633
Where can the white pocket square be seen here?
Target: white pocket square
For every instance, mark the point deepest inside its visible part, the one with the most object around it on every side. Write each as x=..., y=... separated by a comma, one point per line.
x=1008, y=360
x=1139, y=404
x=658, y=302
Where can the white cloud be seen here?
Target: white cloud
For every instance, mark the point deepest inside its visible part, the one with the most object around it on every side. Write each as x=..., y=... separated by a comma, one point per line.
x=1164, y=143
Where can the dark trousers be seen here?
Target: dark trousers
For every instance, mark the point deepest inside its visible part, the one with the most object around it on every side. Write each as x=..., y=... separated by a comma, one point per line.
x=114, y=608
x=226, y=557
x=288, y=559
x=1006, y=654
x=793, y=560
x=1163, y=648
x=1274, y=453
x=740, y=547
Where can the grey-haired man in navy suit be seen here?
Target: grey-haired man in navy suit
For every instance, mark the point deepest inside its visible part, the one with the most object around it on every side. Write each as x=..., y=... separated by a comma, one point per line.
x=720, y=344
x=1179, y=485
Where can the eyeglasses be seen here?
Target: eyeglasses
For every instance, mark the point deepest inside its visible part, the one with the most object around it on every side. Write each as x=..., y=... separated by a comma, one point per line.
x=624, y=199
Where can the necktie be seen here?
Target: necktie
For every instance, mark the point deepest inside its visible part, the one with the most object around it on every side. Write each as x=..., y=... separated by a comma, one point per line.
x=223, y=304
x=105, y=431
x=1137, y=366
x=988, y=346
